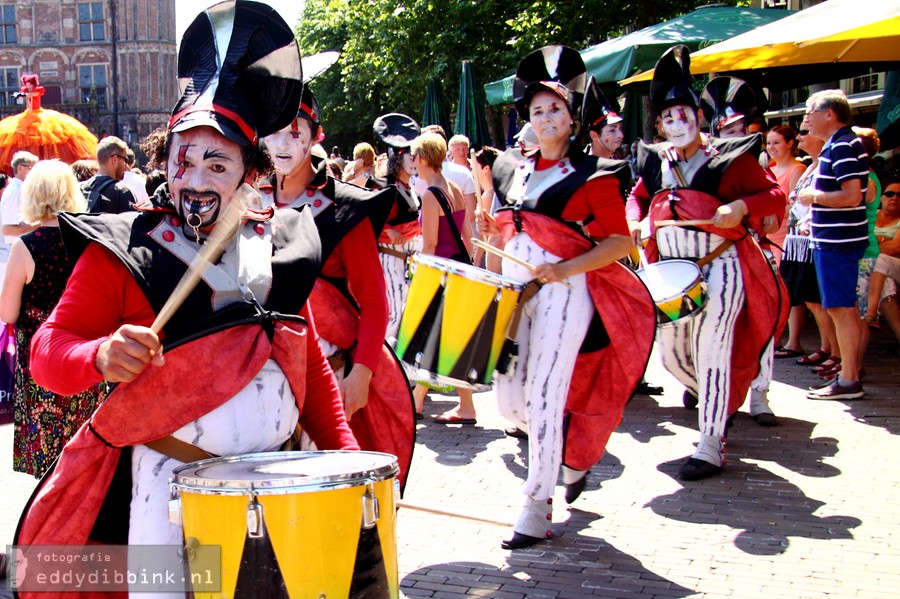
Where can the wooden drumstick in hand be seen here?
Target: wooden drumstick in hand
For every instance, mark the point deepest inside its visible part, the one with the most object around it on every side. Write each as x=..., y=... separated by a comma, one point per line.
x=489, y=248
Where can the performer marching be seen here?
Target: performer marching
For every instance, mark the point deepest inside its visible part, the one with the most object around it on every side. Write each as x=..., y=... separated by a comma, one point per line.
x=402, y=235
x=239, y=368
x=583, y=313
x=349, y=299
x=717, y=353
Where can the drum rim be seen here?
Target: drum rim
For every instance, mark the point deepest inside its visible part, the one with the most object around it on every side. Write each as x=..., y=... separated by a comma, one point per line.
x=288, y=485
x=699, y=279
x=462, y=270
x=427, y=376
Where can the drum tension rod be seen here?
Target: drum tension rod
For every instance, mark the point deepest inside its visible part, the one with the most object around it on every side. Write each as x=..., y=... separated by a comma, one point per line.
x=254, y=518
x=370, y=509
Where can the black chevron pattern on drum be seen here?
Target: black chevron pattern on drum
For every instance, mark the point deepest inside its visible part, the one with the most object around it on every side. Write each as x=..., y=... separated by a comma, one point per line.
x=426, y=339
x=370, y=580
x=477, y=351
x=259, y=576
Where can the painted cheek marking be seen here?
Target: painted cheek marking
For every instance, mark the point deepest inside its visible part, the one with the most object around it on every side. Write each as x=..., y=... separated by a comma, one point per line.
x=295, y=132
x=182, y=154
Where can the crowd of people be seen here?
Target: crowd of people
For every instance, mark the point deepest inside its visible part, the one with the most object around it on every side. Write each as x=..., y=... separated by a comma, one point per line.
x=309, y=294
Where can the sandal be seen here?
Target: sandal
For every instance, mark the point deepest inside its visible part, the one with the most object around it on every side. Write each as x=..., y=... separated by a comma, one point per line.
x=786, y=352
x=817, y=357
x=830, y=364
x=872, y=322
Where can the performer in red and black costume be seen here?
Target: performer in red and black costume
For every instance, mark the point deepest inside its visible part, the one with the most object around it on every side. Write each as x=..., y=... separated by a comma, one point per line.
x=402, y=235
x=716, y=354
x=349, y=299
x=587, y=323
x=237, y=366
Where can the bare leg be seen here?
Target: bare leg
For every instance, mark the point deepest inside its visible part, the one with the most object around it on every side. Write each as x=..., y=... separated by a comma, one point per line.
x=466, y=407
x=796, y=320
x=890, y=311
x=847, y=327
x=876, y=285
x=826, y=328
x=419, y=394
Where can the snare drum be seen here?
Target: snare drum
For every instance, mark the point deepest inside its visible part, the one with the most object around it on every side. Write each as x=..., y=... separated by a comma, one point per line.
x=677, y=288
x=455, y=322
x=298, y=524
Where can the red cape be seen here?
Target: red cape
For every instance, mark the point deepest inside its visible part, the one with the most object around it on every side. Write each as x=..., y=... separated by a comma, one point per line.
x=603, y=380
x=388, y=422
x=766, y=304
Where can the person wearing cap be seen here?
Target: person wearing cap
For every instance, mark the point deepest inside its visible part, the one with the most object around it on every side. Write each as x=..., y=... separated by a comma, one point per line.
x=586, y=323
x=349, y=300
x=601, y=124
x=402, y=234
x=235, y=369
x=715, y=354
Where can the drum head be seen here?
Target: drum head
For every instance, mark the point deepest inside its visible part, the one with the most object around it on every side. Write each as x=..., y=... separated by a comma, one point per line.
x=669, y=279
x=468, y=271
x=286, y=471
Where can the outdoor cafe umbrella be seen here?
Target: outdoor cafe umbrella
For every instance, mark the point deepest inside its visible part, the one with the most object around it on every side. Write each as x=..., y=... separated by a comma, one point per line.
x=470, y=120
x=839, y=36
x=620, y=57
x=436, y=112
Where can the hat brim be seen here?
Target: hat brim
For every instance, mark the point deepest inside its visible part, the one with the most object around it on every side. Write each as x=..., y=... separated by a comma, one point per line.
x=206, y=118
x=532, y=90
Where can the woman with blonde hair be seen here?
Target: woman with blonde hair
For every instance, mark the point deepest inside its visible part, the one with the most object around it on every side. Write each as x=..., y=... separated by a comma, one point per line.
x=36, y=277
x=363, y=167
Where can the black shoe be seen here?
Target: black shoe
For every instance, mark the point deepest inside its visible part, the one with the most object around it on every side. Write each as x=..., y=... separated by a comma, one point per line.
x=695, y=469
x=689, y=400
x=766, y=419
x=515, y=432
x=573, y=490
x=520, y=541
x=645, y=388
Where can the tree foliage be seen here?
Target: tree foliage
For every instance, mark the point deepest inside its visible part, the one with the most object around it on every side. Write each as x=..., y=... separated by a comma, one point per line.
x=391, y=48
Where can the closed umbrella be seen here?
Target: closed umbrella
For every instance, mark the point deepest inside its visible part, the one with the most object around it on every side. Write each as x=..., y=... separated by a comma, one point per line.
x=470, y=119
x=436, y=111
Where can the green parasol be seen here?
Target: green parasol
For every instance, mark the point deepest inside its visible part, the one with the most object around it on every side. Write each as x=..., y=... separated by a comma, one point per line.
x=436, y=112
x=470, y=120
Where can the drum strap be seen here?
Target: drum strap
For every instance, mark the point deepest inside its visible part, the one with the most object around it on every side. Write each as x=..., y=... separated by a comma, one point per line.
x=531, y=289
x=393, y=252
x=176, y=449
x=720, y=249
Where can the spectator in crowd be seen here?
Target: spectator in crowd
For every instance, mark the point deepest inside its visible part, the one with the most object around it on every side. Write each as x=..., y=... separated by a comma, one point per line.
x=105, y=192
x=363, y=167
x=134, y=179
x=458, y=151
x=84, y=169
x=883, y=282
x=10, y=204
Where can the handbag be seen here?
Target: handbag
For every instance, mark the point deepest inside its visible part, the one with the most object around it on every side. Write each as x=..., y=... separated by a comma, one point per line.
x=7, y=372
x=463, y=254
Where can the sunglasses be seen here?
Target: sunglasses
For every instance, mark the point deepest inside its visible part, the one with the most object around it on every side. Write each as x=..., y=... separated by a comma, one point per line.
x=890, y=194
x=120, y=156
x=804, y=132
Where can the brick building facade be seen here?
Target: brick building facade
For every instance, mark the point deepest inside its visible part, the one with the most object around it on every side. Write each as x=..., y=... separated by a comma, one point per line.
x=78, y=48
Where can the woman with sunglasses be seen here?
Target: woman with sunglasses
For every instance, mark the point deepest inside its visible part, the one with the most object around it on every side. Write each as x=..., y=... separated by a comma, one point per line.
x=882, y=284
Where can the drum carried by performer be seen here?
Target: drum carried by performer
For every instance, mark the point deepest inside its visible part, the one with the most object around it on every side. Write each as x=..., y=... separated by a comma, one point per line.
x=719, y=186
x=586, y=325
x=240, y=367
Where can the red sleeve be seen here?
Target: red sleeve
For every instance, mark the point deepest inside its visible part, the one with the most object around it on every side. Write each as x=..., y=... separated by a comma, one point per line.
x=323, y=416
x=638, y=204
x=101, y=296
x=358, y=255
x=599, y=197
x=746, y=180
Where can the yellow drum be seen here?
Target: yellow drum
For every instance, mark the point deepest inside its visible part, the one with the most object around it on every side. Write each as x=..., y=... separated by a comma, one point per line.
x=677, y=288
x=300, y=524
x=455, y=322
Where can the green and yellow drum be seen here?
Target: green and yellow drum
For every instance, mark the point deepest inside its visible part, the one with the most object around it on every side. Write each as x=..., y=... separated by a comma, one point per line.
x=294, y=524
x=677, y=288
x=455, y=322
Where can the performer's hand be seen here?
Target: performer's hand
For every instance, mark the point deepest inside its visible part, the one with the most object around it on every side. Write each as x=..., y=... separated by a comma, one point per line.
x=485, y=224
x=355, y=389
x=807, y=195
x=730, y=215
x=549, y=273
x=634, y=227
x=127, y=353
x=770, y=224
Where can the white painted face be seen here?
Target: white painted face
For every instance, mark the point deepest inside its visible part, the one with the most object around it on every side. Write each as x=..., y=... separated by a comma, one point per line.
x=679, y=123
x=290, y=148
x=408, y=164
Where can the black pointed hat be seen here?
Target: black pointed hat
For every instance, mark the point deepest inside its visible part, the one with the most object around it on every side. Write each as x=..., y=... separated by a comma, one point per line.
x=557, y=69
x=725, y=100
x=309, y=107
x=397, y=131
x=239, y=72
x=672, y=82
x=596, y=110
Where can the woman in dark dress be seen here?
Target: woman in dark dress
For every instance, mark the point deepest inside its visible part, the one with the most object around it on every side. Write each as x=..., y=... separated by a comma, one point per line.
x=36, y=276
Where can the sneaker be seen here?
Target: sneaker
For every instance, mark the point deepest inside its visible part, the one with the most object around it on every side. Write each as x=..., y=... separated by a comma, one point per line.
x=835, y=390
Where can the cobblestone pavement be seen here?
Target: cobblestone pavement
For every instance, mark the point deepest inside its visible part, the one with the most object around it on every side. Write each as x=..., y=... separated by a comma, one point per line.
x=806, y=509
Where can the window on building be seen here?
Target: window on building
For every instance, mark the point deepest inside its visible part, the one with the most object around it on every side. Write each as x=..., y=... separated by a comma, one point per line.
x=9, y=85
x=8, y=24
x=90, y=21
x=92, y=82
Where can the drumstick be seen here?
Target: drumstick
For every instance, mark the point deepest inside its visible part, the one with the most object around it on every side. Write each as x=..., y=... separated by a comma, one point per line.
x=212, y=250
x=682, y=223
x=455, y=514
x=488, y=247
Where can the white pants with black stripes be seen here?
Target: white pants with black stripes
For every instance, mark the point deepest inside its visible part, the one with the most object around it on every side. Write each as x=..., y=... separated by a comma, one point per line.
x=550, y=333
x=697, y=350
x=395, y=282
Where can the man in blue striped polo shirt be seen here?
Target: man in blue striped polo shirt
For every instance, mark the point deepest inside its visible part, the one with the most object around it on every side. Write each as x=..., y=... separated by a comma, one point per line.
x=839, y=230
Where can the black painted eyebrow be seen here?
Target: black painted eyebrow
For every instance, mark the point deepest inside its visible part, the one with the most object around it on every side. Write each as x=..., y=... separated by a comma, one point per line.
x=214, y=153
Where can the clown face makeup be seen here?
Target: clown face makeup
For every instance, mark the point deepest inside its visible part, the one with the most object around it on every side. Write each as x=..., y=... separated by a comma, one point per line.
x=549, y=116
x=290, y=148
x=735, y=129
x=679, y=123
x=203, y=171
x=408, y=165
